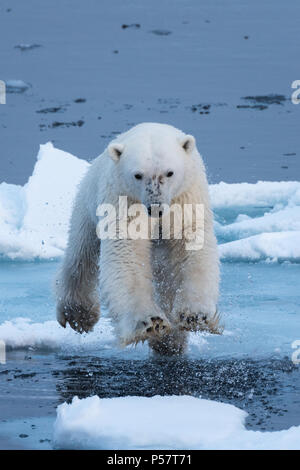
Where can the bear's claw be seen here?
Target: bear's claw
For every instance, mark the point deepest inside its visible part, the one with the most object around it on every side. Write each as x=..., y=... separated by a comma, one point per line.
x=158, y=325
x=150, y=328
x=192, y=321
x=79, y=318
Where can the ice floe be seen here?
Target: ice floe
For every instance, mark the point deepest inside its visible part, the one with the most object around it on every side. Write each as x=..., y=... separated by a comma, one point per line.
x=24, y=333
x=34, y=218
x=253, y=221
x=16, y=86
x=168, y=422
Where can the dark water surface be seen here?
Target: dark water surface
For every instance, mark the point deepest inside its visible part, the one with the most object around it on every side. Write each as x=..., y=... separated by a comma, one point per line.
x=248, y=366
x=32, y=385
x=222, y=72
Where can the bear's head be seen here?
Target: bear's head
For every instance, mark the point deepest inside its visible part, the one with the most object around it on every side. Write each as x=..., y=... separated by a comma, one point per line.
x=151, y=162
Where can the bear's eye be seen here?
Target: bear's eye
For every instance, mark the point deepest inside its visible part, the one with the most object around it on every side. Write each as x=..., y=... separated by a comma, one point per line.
x=138, y=176
x=170, y=173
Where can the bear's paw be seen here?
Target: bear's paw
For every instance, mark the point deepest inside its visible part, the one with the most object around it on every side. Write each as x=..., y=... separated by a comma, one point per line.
x=152, y=327
x=198, y=321
x=80, y=318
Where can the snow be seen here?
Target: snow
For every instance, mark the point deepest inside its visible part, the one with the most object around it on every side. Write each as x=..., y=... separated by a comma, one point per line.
x=34, y=218
x=253, y=221
x=263, y=194
x=169, y=422
x=277, y=246
x=24, y=333
x=270, y=232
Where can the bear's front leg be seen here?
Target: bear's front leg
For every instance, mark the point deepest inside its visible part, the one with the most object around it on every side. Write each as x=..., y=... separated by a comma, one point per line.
x=77, y=282
x=195, y=304
x=127, y=289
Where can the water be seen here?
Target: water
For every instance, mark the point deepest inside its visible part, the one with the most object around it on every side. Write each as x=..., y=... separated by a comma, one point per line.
x=249, y=366
x=214, y=56
x=259, y=304
x=214, y=75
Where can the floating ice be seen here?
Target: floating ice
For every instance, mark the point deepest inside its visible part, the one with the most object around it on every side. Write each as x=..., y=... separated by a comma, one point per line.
x=253, y=221
x=24, y=333
x=169, y=422
x=263, y=194
x=34, y=218
x=258, y=221
x=27, y=47
x=276, y=246
x=16, y=86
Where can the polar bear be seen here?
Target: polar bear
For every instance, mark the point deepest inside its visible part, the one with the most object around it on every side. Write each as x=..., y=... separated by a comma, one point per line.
x=155, y=290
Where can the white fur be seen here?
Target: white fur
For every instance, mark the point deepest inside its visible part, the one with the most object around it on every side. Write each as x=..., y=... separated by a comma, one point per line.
x=154, y=291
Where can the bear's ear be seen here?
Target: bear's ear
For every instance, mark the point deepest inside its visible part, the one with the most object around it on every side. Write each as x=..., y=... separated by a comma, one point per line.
x=188, y=143
x=115, y=151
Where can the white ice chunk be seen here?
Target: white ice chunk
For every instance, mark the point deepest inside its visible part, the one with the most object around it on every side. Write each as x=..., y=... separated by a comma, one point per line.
x=169, y=422
x=258, y=221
